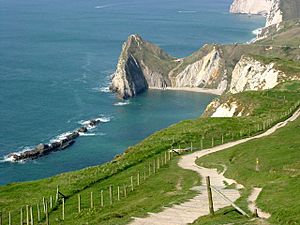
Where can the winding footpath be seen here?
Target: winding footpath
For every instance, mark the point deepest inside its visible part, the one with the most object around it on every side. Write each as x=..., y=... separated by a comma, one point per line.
x=196, y=207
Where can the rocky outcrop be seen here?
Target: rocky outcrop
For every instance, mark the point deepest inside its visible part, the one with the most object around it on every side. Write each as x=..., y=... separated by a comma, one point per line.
x=228, y=107
x=221, y=68
x=204, y=73
x=251, y=74
x=141, y=65
x=275, y=14
x=44, y=149
x=262, y=7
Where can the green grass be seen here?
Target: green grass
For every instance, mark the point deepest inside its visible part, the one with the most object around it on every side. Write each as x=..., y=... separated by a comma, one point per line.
x=167, y=186
x=268, y=107
x=290, y=67
x=279, y=157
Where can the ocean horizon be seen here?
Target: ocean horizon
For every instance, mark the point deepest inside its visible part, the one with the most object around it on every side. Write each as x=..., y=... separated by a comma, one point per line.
x=56, y=61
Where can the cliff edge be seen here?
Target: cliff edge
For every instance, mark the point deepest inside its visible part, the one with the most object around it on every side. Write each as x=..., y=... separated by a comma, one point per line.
x=276, y=11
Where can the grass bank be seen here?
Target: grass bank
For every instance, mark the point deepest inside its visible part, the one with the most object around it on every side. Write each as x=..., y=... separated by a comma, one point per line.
x=168, y=186
x=279, y=163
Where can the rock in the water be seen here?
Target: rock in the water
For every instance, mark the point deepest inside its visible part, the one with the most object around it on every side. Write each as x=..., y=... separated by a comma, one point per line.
x=141, y=65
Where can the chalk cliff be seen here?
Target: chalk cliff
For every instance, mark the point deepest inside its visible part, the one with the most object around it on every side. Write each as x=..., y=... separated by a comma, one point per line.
x=276, y=11
x=229, y=106
x=224, y=68
x=262, y=7
x=206, y=72
x=251, y=74
x=141, y=65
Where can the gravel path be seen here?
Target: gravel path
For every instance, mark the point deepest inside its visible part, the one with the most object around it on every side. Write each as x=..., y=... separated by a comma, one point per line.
x=196, y=207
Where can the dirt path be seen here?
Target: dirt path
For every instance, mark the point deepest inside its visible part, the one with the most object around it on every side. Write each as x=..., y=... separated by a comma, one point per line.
x=252, y=204
x=196, y=207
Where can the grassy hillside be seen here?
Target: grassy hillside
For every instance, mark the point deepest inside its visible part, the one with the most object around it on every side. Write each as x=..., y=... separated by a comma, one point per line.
x=287, y=35
x=170, y=185
x=279, y=156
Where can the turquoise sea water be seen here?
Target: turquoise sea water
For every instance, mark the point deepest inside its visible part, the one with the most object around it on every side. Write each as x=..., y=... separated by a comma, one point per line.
x=56, y=56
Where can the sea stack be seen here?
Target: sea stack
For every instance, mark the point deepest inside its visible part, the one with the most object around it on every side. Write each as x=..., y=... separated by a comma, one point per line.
x=140, y=66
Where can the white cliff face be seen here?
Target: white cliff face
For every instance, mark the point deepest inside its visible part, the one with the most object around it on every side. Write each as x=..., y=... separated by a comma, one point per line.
x=261, y=7
x=269, y=8
x=203, y=73
x=275, y=14
x=250, y=74
x=228, y=108
x=225, y=110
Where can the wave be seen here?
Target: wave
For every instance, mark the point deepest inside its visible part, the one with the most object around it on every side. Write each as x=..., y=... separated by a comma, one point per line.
x=86, y=123
x=103, y=6
x=104, y=89
x=10, y=158
x=257, y=31
x=86, y=134
x=101, y=89
x=60, y=137
x=186, y=11
x=91, y=134
x=67, y=136
x=122, y=103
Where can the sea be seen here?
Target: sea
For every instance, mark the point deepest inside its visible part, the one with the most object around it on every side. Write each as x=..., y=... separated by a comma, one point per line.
x=56, y=61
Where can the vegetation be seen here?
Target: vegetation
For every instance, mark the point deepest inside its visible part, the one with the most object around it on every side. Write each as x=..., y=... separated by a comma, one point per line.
x=290, y=67
x=159, y=190
x=279, y=173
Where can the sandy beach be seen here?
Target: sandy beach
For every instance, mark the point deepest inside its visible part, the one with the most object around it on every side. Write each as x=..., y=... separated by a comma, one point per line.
x=191, y=89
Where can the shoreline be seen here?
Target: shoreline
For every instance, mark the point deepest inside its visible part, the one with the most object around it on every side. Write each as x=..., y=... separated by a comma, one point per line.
x=190, y=89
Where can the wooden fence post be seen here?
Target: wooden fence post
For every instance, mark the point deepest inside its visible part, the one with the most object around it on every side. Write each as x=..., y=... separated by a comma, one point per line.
x=255, y=213
x=79, y=203
x=212, y=142
x=9, y=218
x=222, y=139
x=63, y=208
x=31, y=216
x=38, y=212
x=157, y=166
x=21, y=216
x=92, y=202
x=47, y=216
x=27, y=215
x=138, y=179
x=191, y=146
x=44, y=205
x=131, y=183
x=169, y=155
x=56, y=196
x=209, y=193
x=166, y=158
x=154, y=166
x=110, y=195
x=257, y=165
x=51, y=204
x=101, y=198
x=118, y=193
x=149, y=169
x=125, y=191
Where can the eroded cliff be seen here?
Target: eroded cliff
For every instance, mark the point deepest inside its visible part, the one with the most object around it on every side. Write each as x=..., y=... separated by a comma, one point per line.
x=141, y=65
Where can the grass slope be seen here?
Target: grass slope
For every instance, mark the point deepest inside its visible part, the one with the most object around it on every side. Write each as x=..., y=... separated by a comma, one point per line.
x=279, y=175
x=170, y=185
